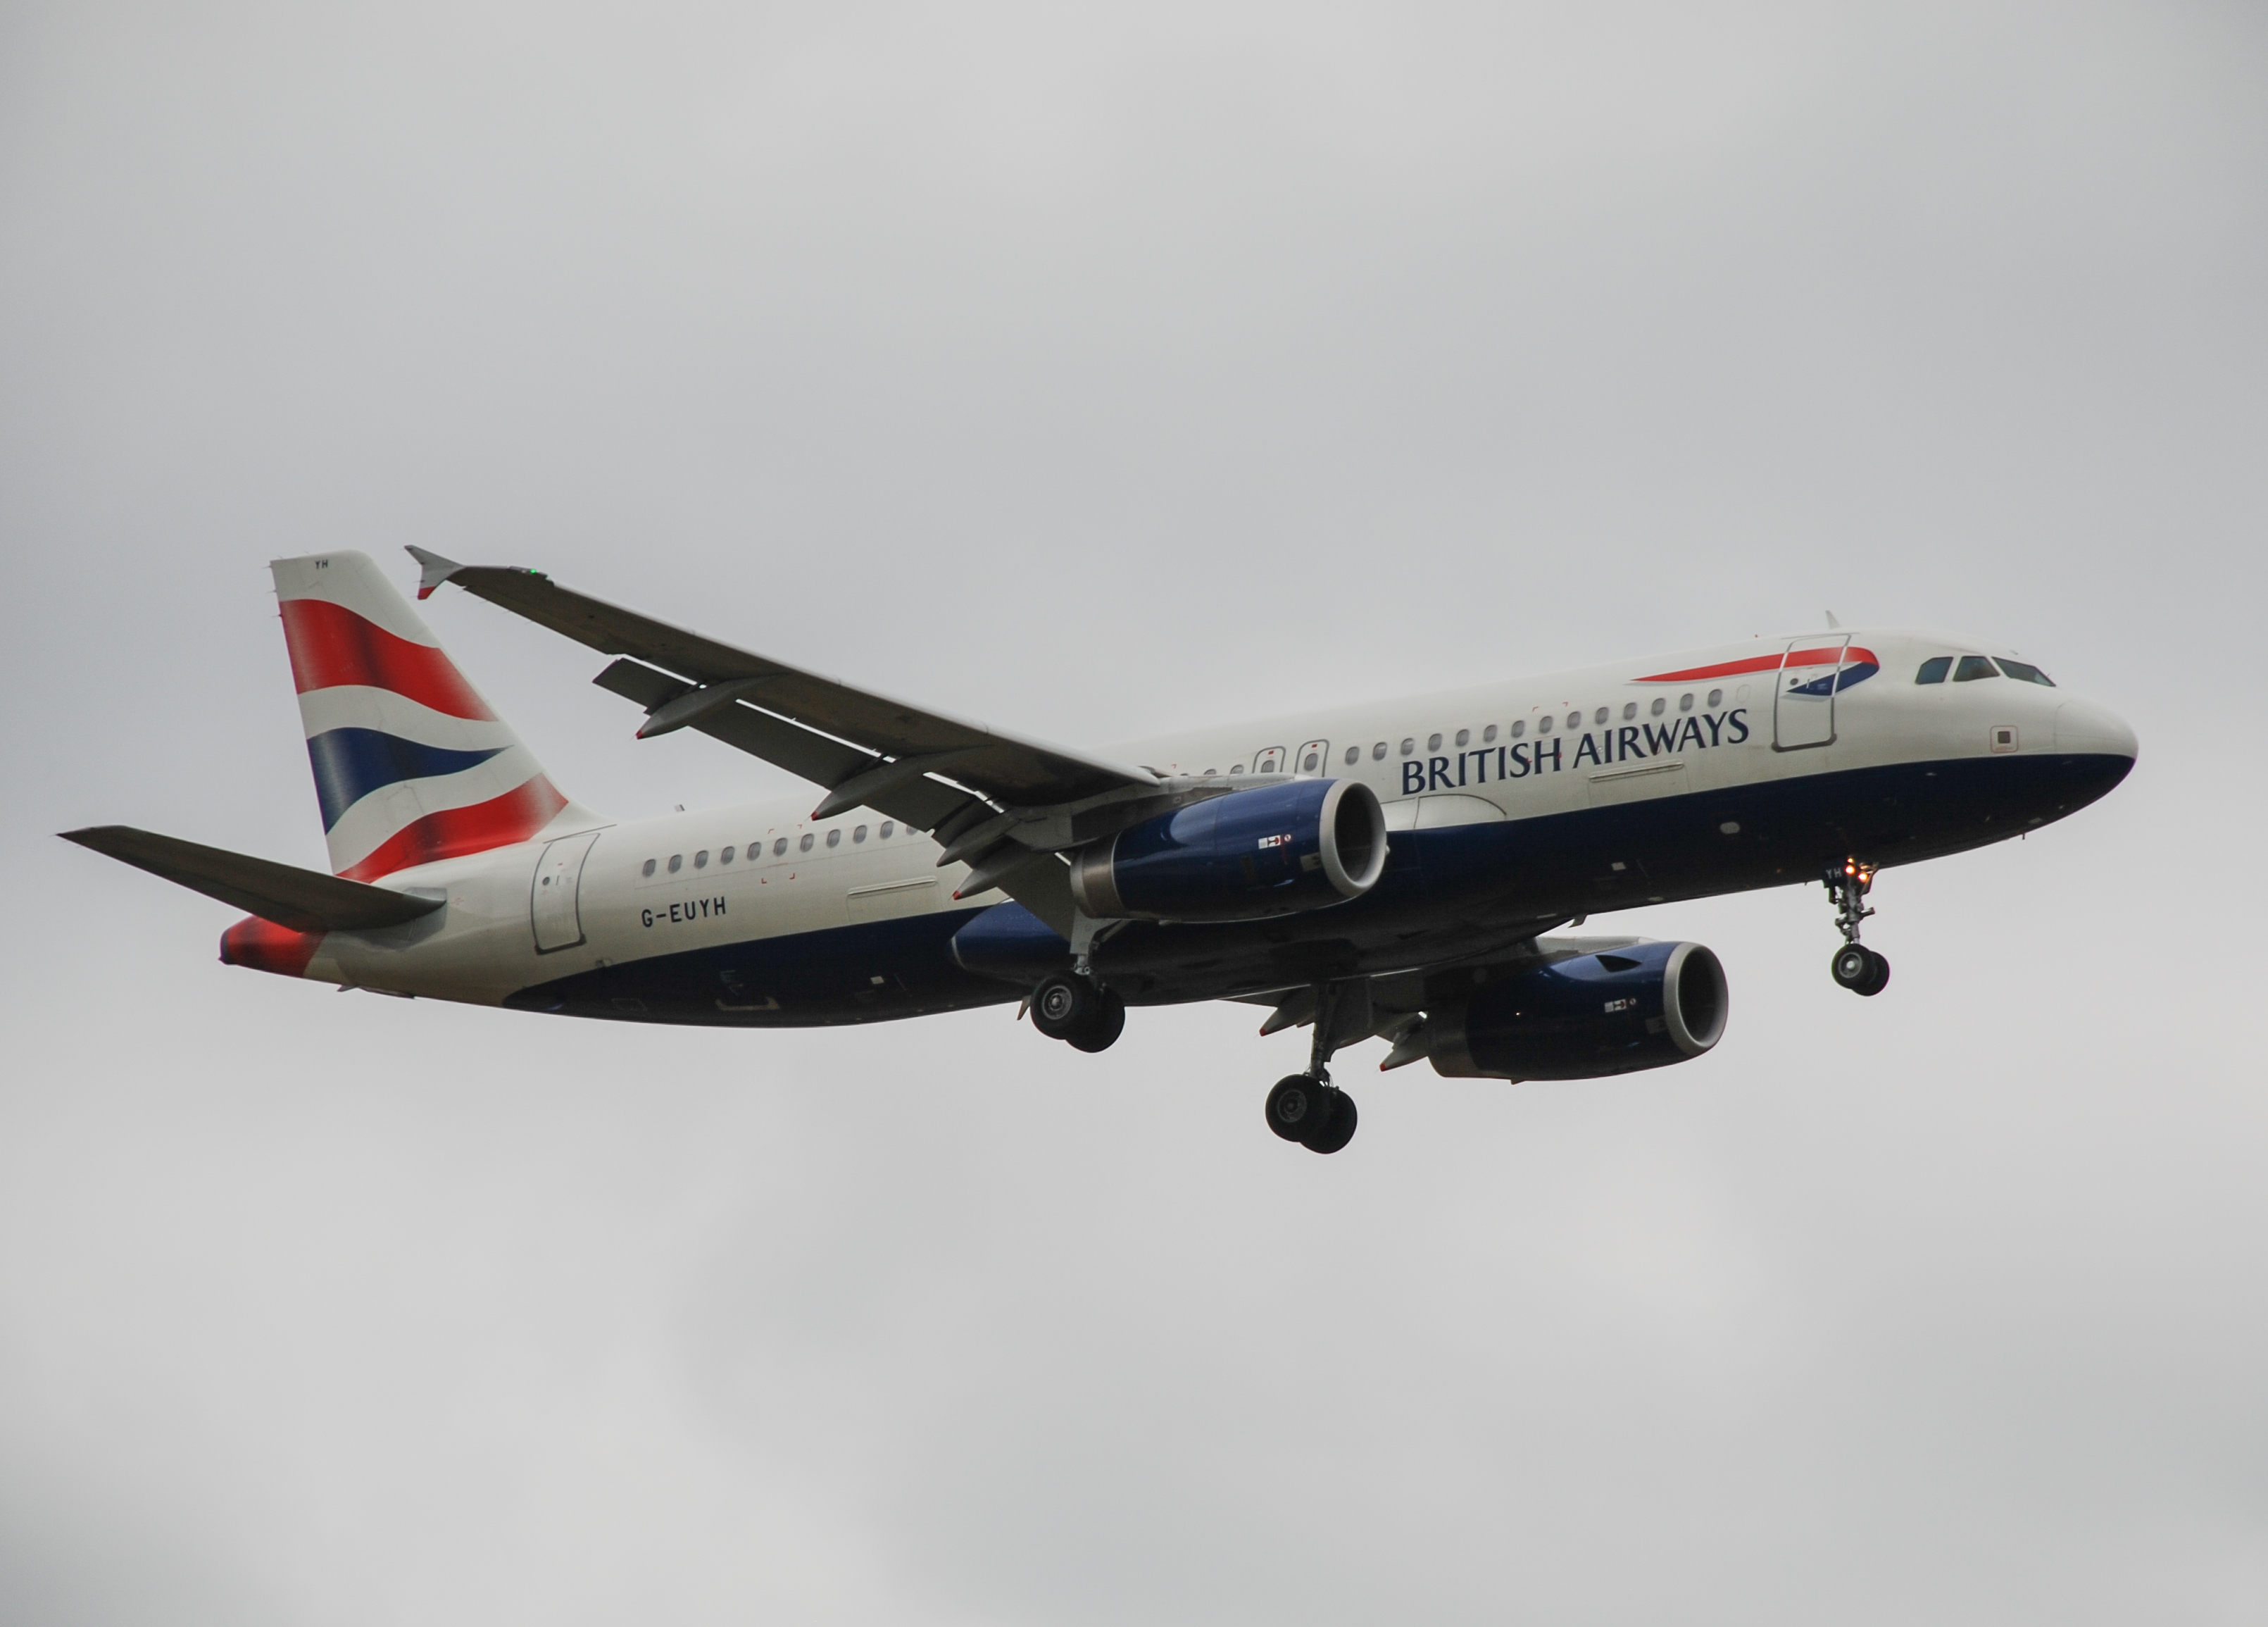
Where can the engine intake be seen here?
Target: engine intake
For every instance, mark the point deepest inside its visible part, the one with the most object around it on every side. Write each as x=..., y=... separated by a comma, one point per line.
x=1585, y=1018
x=1273, y=850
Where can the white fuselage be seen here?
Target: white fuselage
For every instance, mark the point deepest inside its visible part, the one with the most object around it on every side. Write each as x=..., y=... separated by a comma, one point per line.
x=1504, y=751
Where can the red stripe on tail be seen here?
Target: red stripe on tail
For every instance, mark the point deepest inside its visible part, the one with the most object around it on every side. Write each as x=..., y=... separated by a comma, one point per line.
x=330, y=645
x=498, y=823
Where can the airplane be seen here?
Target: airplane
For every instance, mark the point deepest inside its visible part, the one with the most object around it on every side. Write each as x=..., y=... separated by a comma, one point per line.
x=1392, y=870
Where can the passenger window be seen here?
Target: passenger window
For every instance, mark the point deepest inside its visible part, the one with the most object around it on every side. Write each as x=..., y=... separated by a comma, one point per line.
x=1354, y=756
x=835, y=838
x=676, y=862
x=803, y=844
x=1432, y=742
x=1378, y=752
x=1934, y=669
x=1600, y=716
x=1660, y=705
x=1630, y=710
x=859, y=835
x=1409, y=746
x=1543, y=725
x=2024, y=672
x=646, y=869
x=1464, y=736
x=1519, y=727
x=780, y=846
x=1974, y=667
x=1686, y=703
x=724, y=857
x=1310, y=763
x=701, y=860
x=1488, y=734
x=1716, y=698
x=887, y=826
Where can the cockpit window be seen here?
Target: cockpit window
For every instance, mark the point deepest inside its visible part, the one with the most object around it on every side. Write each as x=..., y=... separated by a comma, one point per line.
x=1974, y=667
x=1934, y=669
x=2024, y=672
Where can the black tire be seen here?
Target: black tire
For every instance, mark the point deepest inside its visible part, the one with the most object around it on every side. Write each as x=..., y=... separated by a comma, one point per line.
x=1102, y=1030
x=1295, y=1107
x=1063, y=1006
x=1853, y=968
x=1339, y=1130
x=1879, y=978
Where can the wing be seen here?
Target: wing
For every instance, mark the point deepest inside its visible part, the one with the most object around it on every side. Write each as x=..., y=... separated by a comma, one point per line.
x=301, y=900
x=1006, y=803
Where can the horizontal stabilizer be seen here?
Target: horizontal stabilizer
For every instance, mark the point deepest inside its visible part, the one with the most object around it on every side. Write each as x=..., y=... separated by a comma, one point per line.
x=302, y=900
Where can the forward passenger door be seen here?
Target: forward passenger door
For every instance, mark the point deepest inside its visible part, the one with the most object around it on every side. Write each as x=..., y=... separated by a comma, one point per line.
x=1803, y=705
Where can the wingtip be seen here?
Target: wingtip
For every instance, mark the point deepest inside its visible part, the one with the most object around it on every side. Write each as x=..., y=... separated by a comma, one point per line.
x=432, y=568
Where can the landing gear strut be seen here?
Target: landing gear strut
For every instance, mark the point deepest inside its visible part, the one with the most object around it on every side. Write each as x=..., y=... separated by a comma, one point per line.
x=1078, y=1011
x=1855, y=967
x=1306, y=1107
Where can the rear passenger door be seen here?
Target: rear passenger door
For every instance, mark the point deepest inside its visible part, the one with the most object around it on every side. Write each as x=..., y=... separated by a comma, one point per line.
x=555, y=900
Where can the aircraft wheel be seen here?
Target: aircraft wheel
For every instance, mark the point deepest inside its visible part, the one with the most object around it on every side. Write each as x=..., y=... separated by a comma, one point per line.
x=1297, y=1108
x=1339, y=1130
x=1102, y=1029
x=1063, y=1007
x=1861, y=970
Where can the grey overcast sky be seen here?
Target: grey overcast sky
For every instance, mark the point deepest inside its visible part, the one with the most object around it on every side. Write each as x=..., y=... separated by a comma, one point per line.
x=1095, y=370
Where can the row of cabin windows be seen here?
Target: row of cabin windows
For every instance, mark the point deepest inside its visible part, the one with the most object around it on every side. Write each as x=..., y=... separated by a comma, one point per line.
x=1934, y=670
x=1312, y=761
x=804, y=844
x=1969, y=668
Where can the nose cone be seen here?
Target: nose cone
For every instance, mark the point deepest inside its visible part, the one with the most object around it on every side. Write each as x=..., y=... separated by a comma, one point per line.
x=2087, y=729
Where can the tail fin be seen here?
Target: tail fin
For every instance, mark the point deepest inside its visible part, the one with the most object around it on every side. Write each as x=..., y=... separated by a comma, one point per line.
x=410, y=765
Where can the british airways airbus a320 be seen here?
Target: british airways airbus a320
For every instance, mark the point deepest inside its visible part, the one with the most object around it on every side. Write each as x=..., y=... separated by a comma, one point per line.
x=1385, y=870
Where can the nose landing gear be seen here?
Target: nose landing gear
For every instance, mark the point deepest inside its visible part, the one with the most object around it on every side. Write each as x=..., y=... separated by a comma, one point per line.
x=1306, y=1107
x=1854, y=966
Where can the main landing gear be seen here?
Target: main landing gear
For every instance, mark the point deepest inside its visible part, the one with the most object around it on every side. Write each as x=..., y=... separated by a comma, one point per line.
x=1855, y=967
x=1306, y=1107
x=1078, y=1011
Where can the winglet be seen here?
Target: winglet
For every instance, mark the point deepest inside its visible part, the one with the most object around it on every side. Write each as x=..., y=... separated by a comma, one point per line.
x=436, y=570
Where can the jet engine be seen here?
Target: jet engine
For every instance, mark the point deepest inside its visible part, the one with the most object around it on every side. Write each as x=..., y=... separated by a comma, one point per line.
x=1645, y=1005
x=1273, y=850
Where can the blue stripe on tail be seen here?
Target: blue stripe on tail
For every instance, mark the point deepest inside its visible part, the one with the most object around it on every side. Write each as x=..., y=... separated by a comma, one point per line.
x=351, y=763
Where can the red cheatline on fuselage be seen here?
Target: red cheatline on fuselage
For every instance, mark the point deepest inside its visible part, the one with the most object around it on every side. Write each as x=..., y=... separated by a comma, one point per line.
x=1826, y=655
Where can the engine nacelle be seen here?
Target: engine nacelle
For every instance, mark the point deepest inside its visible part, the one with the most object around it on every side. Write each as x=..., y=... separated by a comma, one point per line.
x=1273, y=850
x=1586, y=1018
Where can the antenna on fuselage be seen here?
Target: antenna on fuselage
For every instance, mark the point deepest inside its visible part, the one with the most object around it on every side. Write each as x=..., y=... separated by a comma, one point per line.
x=1832, y=623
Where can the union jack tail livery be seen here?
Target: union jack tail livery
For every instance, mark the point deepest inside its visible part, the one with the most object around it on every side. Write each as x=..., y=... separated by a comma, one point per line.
x=410, y=763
